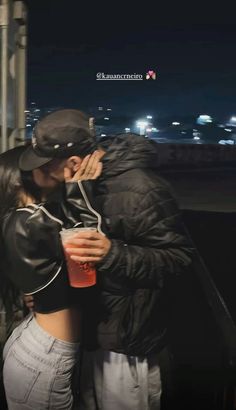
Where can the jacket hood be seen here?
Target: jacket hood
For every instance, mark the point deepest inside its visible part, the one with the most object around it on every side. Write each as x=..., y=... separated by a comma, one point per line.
x=128, y=151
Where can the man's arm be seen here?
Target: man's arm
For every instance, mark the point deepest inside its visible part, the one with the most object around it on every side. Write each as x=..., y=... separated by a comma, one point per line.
x=158, y=247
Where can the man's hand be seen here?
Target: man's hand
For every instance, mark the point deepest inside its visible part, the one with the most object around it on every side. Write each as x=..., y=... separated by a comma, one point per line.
x=88, y=246
x=90, y=168
x=29, y=302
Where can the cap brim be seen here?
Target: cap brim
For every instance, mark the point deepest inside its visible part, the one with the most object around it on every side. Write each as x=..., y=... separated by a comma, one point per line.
x=29, y=160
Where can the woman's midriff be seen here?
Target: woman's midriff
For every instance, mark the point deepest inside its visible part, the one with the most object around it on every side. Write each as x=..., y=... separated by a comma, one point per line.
x=64, y=324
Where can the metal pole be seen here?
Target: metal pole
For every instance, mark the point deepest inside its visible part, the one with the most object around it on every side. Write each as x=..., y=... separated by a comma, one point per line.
x=21, y=82
x=4, y=72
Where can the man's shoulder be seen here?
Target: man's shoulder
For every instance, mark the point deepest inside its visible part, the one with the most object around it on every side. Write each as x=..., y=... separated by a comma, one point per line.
x=145, y=179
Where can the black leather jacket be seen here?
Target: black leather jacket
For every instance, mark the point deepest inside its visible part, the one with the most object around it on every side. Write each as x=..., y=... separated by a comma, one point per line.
x=32, y=248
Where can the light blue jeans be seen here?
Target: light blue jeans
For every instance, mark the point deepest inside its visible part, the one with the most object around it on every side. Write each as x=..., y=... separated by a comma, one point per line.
x=114, y=381
x=38, y=369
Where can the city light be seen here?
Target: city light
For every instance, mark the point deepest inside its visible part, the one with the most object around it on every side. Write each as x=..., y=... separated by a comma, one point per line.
x=141, y=124
x=217, y=132
x=231, y=122
x=226, y=142
x=196, y=134
x=204, y=119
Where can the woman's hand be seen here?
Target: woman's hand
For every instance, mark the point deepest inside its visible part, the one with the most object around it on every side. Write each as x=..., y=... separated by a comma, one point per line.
x=90, y=168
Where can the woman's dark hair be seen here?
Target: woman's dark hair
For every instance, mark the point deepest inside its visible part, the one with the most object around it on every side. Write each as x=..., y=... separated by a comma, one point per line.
x=12, y=183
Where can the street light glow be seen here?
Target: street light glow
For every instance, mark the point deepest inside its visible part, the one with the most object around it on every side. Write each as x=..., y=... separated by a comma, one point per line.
x=142, y=124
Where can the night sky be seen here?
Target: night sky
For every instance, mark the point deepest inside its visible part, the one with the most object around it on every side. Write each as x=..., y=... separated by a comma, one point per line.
x=191, y=50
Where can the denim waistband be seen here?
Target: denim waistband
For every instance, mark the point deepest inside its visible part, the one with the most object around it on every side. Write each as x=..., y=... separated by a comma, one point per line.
x=47, y=341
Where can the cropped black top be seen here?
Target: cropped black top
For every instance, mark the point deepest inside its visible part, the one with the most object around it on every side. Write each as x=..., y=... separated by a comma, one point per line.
x=33, y=254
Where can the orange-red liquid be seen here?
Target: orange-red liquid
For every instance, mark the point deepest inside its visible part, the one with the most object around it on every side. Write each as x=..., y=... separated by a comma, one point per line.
x=80, y=274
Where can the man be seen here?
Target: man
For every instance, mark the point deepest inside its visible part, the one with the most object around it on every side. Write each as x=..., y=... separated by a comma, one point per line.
x=144, y=250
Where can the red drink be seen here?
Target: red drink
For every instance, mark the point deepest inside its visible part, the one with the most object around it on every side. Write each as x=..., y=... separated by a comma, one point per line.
x=81, y=274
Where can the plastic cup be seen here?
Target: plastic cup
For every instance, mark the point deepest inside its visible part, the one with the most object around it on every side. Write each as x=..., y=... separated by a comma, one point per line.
x=81, y=274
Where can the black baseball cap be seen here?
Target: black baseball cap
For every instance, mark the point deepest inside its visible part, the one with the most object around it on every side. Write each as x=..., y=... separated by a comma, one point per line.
x=60, y=134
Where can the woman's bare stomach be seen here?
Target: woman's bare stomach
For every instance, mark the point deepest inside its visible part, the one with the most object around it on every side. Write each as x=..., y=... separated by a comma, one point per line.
x=64, y=324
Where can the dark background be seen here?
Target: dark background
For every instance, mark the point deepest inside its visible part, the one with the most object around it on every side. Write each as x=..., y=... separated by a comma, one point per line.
x=190, y=48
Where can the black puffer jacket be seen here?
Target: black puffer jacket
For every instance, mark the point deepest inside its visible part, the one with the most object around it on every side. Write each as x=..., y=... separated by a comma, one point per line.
x=149, y=247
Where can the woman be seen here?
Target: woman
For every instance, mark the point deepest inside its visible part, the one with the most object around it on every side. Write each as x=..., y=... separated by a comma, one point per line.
x=40, y=355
